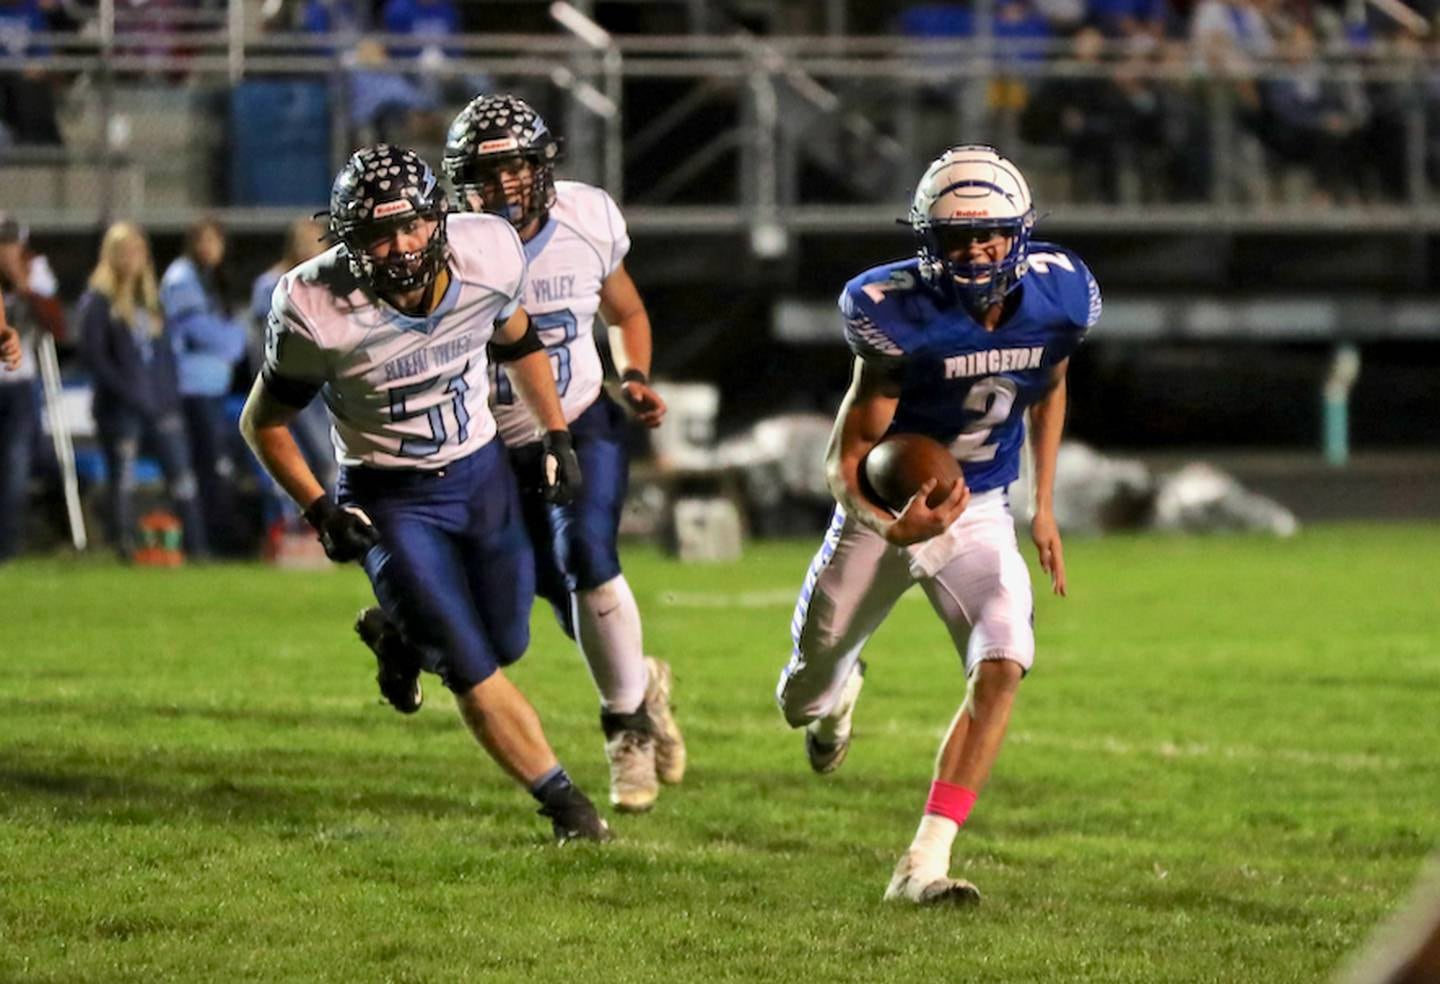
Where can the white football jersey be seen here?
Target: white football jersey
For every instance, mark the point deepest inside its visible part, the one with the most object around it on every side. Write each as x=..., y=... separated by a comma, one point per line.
x=581, y=244
x=402, y=391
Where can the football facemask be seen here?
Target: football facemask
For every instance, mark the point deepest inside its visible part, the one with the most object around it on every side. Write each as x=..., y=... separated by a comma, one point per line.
x=506, y=186
x=392, y=270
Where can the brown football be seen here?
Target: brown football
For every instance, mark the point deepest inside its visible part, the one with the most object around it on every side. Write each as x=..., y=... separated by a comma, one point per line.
x=897, y=467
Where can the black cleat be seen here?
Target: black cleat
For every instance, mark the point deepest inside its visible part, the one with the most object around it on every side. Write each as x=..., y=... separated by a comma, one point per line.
x=574, y=817
x=399, y=665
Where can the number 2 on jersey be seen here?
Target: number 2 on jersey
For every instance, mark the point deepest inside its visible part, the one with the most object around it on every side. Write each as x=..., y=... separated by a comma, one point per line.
x=991, y=397
x=558, y=350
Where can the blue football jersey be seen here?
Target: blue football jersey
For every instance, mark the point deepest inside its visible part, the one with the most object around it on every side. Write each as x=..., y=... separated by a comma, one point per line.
x=960, y=384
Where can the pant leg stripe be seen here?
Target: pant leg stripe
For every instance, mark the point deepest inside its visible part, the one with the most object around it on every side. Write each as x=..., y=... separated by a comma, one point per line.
x=817, y=567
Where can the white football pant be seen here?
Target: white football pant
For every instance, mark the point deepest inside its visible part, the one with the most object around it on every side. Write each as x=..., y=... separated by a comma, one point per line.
x=981, y=593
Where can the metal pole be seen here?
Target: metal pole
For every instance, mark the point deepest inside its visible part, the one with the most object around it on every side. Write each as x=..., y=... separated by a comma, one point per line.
x=767, y=235
x=614, y=126
x=235, y=22
x=107, y=111
x=580, y=129
x=60, y=435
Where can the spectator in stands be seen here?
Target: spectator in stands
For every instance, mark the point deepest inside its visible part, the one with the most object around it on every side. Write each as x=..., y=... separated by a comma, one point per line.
x=27, y=97
x=1065, y=17
x=1178, y=131
x=386, y=105
x=29, y=313
x=345, y=20
x=1021, y=33
x=1395, y=97
x=1230, y=38
x=331, y=17
x=208, y=345
x=1312, y=117
x=434, y=24
x=137, y=397
x=1130, y=20
x=312, y=427
x=431, y=22
x=1091, y=117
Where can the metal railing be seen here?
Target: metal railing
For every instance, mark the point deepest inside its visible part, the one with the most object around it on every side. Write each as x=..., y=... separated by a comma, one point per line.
x=780, y=137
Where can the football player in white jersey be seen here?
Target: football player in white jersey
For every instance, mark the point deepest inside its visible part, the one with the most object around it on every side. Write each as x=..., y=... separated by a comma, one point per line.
x=395, y=326
x=960, y=344
x=500, y=157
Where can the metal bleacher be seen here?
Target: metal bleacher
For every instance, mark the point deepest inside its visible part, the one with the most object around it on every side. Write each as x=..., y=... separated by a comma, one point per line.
x=720, y=130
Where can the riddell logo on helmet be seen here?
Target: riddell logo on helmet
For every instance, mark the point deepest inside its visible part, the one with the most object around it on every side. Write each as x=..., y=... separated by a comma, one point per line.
x=497, y=145
x=970, y=213
x=387, y=209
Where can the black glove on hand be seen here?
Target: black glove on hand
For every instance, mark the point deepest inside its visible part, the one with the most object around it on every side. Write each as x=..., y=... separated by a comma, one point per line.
x=346, y=533
x=560, y=469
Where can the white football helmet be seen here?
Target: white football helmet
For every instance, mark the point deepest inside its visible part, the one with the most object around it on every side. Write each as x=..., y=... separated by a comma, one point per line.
x=968, y=189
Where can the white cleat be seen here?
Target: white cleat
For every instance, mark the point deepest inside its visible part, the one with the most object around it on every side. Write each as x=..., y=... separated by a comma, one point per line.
x=669, y=743
x=827, y=740
x=633, y=786
x=920, y=884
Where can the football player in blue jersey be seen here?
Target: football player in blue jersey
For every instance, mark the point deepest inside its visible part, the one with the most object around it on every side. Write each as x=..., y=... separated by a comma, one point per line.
x=394, y=327
x=500, y=158
x=959, y=343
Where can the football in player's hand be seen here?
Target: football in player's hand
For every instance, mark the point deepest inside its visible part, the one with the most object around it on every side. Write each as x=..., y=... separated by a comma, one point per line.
x=895, y=469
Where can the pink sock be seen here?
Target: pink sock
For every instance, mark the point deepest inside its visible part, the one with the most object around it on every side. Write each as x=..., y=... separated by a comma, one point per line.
x=950, y=801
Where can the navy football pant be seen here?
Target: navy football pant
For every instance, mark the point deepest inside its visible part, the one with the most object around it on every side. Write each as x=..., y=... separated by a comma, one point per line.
x=453, y=569
x=575, y=545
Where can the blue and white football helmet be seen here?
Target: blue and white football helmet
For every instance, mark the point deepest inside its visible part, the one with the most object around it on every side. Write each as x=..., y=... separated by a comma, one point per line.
x=964, y=192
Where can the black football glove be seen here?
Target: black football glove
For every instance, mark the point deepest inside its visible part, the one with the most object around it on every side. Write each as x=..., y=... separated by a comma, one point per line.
x=560, y=469
x=346, y=533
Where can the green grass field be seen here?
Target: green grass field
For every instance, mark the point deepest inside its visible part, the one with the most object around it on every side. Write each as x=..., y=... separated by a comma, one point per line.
x=1223, y=769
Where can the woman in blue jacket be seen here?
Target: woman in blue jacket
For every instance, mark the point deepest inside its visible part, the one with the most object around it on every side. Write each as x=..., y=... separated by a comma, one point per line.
x=122, y=339
x=208, y=345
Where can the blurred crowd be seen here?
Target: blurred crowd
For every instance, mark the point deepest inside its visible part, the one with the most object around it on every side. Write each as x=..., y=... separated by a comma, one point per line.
x=167, y=360
x=1131, y=117
x=1325, y=93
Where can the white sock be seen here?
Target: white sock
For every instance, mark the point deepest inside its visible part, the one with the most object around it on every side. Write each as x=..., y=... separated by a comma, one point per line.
x=607, y=627
x=930, y=850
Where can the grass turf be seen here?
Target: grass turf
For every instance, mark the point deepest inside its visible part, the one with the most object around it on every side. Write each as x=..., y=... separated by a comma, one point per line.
x=1222, y=769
